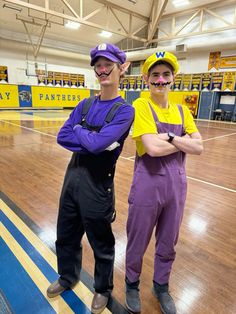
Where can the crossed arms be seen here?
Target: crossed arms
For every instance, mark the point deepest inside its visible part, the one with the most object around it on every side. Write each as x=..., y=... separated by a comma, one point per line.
x=157, y=145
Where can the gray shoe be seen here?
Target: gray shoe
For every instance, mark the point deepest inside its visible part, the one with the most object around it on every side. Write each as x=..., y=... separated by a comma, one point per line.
x=167, y=304
x=132, y=300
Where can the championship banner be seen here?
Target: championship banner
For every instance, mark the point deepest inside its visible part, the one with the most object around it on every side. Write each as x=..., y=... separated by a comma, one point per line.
x=58, y=79
x=145, y=86
x=66, y=79
x=57, y=97
x=228, y=62
x=214, y=60
x=132, y=82
x=139, y=82
x=50, y=78
x=74, y=80
x=206, y=81
x=229, y=81
x=3, y=74
x=9, y=96
x=81, y=81
x=125, y=83
x=196, y=82
x=177, y=82
x=41, y=74
x=217, y=81
x=186, y=81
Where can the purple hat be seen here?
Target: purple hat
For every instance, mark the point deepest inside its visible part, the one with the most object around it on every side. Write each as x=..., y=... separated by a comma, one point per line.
x=108, y=51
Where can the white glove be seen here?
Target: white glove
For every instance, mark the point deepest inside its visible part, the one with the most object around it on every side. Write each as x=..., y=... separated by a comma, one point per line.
x=113, y=146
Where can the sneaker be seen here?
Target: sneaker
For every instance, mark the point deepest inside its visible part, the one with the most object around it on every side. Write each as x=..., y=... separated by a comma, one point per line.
x=167, y=304
x=132, y=300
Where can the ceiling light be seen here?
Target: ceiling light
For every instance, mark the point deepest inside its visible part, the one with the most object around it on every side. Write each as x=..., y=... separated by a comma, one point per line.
x=105, y=34
x=72, y=25
x=180, y=3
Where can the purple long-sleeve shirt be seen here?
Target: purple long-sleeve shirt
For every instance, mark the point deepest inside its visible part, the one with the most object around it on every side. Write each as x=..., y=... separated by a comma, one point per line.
x=78, y=139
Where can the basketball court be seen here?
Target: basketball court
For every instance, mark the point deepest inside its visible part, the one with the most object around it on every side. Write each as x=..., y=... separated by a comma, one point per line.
x=32, y=172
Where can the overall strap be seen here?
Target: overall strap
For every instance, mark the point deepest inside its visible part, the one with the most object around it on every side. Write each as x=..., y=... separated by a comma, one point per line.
x=112, y=111
x=182, y=116
x=154, y=114
x=86, y=107
x=181, y=113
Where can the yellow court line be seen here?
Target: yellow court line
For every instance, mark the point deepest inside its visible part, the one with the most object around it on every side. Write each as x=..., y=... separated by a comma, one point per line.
x=80, y=289
x=59, y=305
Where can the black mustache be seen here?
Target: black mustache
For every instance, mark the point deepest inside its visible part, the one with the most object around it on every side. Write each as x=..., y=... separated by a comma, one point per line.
x=104, y=73
x=160, y=84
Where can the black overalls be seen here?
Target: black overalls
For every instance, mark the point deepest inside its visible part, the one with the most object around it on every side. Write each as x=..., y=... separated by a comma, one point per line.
x=87, y=205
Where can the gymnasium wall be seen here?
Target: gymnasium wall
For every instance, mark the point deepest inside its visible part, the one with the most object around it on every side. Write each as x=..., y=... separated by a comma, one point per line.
x=27, y=96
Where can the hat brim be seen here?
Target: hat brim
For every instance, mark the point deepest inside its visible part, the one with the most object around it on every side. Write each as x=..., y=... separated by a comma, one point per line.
x=146, y=69
x=106, y=55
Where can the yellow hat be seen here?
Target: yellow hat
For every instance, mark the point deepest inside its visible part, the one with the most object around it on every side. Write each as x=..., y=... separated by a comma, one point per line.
x=161, y=56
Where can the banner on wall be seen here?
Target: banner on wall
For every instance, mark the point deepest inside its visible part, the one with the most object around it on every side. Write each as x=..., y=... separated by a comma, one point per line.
x=186, y=81
x=3, y=74
x=139, y=82
x=145, y=86
x=217, y=80
x=196, y=82
x=57, y=97
x=41, y=74
x=81, y=81
x=58, y=80
x=125, y=83
x=66, y=79
x=177, y=82
x=9, y=96
x=50, y=78
x=206, y=81
x=228, y=62
x=74, y=80
x=229, y=81
x=214, y=60
x=132, y=82
x=25, y=95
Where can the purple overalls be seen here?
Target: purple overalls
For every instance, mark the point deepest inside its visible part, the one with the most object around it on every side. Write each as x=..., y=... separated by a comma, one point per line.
x=156, y=199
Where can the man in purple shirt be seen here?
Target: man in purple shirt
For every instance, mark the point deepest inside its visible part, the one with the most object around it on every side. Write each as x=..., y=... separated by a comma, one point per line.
x=95, y=133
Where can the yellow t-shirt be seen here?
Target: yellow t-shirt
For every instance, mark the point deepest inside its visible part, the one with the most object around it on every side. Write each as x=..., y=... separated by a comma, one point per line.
x=144, y=121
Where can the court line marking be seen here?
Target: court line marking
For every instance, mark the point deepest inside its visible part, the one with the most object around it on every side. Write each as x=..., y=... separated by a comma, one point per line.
x=33, y=271
x=131, y=158
x=215, y=127
x=26, y=128
x=212, y=184
x=216, y=137
x=80, y=289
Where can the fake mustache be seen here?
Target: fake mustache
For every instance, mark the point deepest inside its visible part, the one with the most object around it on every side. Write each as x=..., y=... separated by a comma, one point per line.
x=104, y=73
x=160, y=84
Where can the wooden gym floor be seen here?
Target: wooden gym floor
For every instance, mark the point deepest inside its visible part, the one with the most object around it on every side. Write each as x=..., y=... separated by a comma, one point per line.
x=32, y=168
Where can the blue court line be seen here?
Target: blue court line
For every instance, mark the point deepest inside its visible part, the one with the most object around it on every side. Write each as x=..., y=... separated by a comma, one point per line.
x=19, y=289
x=69, y=296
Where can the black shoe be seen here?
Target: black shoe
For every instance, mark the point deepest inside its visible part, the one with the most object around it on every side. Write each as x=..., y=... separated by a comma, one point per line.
x=132, y=300
x=167, y=304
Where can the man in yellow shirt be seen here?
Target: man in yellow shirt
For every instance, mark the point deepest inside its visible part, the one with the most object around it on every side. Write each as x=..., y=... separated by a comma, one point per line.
x=164, y=133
